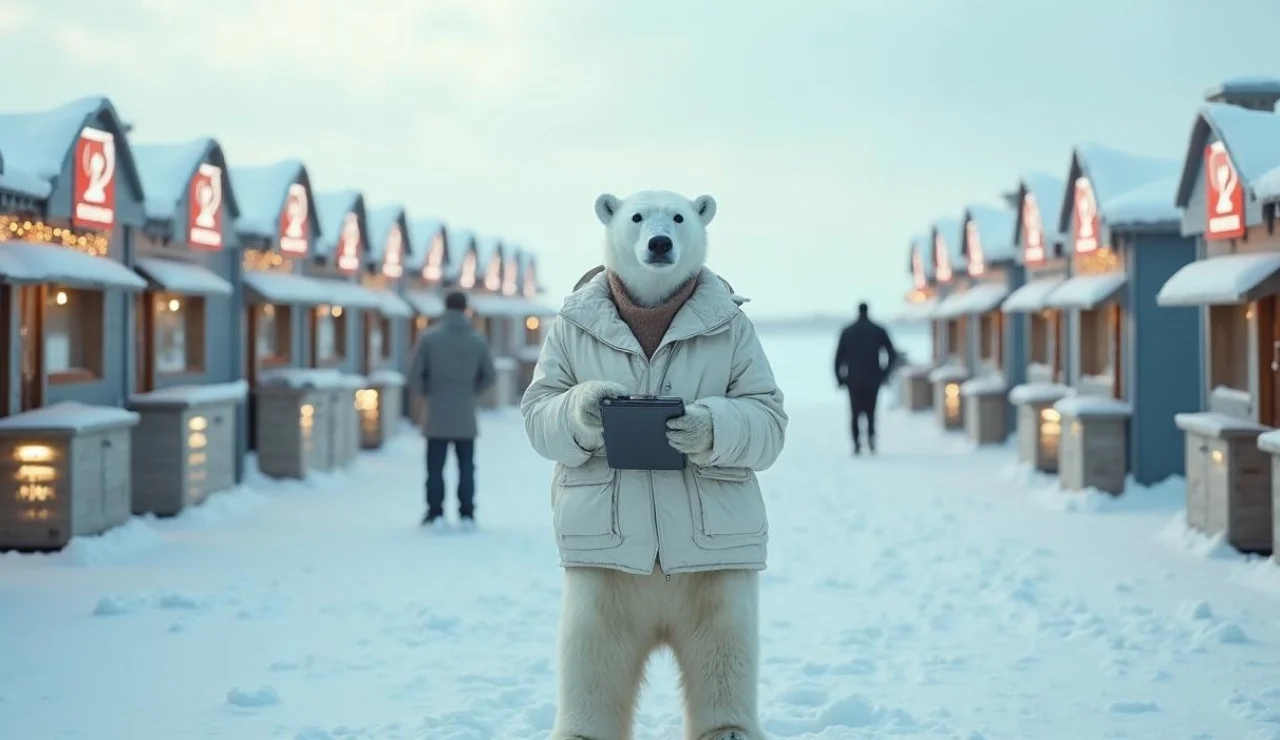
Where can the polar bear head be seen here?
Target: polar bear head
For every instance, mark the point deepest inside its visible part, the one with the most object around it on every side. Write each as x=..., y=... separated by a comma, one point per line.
x=656, y=240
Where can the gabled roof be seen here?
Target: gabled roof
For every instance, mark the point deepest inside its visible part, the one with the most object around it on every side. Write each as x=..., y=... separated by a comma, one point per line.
x=36, y=146
x=1251, y=137
x=952, y=231
x=1114, y=173
x=331, y=210
x=379, y=222
x=995, y=229
x=421, y=233
x=261, y=191
x=167, y=169
x=461, y=242
x=921, y=244
x=1048, y=191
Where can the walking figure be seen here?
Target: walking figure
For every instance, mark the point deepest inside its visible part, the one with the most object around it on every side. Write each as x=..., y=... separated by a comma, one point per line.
x=861, y=369
x=451, y=367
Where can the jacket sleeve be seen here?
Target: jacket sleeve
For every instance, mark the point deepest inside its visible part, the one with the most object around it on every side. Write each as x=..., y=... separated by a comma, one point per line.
x=546, y=404
x=842, y=352
x=749, y=423
x=891, y=353
x=419, y=381
x=486, y=375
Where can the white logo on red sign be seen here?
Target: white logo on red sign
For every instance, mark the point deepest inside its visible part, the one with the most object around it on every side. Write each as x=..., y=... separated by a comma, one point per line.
x=204, y=208
x=349, y=244
x=941, y=260
x=1224, y=197
x=434, y=267
x=917, y=269
x=977, y=264
x=1087, y=220
x=1032, y=231
x=393, y=254
x=294, y=224
x=94, y=180
x=468, y=278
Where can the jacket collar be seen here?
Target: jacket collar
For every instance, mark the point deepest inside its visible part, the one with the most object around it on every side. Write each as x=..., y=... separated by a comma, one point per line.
x=591, y=308
x=454, y=317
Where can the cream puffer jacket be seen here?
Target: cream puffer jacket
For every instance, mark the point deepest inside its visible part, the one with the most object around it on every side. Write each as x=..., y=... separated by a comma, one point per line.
x=709, y=516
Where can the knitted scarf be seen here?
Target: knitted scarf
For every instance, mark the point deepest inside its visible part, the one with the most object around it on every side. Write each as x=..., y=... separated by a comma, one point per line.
x=649, y=325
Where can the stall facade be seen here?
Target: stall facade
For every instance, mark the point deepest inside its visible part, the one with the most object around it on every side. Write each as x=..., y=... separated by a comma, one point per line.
x=72, y=206
x=386, y=329
x=1125, y=243
x=429, y=274
x=951, y=324
x=192, y=435
x=914, y=390
x=1044, y=333
x=1233, y=286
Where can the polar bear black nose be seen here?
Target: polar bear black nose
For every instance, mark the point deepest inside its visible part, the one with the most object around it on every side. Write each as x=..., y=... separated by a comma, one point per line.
x=660, y=244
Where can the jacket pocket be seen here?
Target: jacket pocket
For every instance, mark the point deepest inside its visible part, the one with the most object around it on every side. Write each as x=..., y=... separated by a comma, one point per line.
x=585, y=506
x=728, y=508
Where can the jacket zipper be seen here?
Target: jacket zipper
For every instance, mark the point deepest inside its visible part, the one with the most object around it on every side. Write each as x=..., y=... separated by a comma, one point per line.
x=653, y=494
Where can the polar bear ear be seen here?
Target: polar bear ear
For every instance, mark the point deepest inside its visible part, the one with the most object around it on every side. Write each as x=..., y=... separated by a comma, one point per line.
x=705, y=205
x=606, y=205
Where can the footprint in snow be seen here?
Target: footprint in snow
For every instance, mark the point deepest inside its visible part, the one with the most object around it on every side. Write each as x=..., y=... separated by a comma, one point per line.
x=262, y=696
x=1132, y=707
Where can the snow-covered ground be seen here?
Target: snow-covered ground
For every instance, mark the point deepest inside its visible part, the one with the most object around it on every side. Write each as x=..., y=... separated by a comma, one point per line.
x=931, y=591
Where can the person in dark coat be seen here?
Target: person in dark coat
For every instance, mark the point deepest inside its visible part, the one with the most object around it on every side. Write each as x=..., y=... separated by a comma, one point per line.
x=451, y=367
x=864, y=358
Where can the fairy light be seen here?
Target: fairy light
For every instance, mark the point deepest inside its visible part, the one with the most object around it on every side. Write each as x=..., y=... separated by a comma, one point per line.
x=1098, y=261
x=264, y=260
x=93, y=243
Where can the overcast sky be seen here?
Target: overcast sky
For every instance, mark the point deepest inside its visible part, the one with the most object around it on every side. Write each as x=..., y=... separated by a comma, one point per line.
x=829, y=131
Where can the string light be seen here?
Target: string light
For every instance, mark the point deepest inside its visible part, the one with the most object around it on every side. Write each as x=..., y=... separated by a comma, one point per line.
x=91, y=243
x=1101, y=260
x=263, y=260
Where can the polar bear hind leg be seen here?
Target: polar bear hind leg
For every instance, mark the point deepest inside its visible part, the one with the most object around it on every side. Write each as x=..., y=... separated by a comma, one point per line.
x=715, y=638
x=605, y=641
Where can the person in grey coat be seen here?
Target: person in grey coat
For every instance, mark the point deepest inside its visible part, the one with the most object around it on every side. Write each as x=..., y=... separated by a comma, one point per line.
x=451, y=367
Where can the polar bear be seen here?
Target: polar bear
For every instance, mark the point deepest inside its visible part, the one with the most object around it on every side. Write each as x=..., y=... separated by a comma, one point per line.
x=657, y=558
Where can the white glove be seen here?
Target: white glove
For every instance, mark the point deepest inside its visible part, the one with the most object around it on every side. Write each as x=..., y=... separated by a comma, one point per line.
x=693, y=433
x=585, y=412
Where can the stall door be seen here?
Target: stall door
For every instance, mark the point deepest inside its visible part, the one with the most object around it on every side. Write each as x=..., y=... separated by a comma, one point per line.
x=1117, y=350
x=31, y=347
x=1269, y=362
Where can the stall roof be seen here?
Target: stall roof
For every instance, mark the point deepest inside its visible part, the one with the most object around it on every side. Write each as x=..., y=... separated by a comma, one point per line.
x=952, y=231
x=1048, y=191
x=1032, y=296
x=460, y=242
x=488, y=248
x=497, y=305
x=69, y=416
x=1087, y=291
x=1147, y=204
x=995, y=229
x=331, y=209
x=167, y=169
x=30, y=263
x=380, y=220
x=421, y=232
x=980, y=298
x=1252, y=138
x=529, y=261
x=390, y=304
x=1226, y=280
x=917, y=310
x=920, y=244
x=37, y=145
x=24, y=183
x=289, y=288
x=426, y=303
x=261, y=192
x=182, y=277
x=1114, y=173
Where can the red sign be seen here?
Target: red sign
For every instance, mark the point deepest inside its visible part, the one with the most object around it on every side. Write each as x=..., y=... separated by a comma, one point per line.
x=349, y=244
x=393, y=253
x=1224, y=198
x=468, y=272
x=434, y=268
x=941, y=259
x=977, y=265
x=204, y=208
x=1033, y=252
x=94, y=181
x=1087, y=221
x=917, y=269
x=294, y=223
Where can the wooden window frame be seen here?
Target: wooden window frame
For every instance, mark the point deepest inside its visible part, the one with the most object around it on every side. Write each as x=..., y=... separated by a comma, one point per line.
x=340, y=336
x=1268, y=335
x=195, y=325
x=96, y=341
x=282, y=341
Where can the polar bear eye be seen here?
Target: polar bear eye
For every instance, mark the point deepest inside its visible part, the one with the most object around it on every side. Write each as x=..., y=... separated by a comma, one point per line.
x=678, y=218
x=636, y=218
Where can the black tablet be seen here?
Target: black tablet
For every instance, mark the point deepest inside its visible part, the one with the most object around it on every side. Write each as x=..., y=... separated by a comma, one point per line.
x=635, y=432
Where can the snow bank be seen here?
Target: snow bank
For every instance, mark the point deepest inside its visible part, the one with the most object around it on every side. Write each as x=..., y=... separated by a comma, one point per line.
x=299, y=378
x=1167, y=495
x=1078, y=406
x=68, y=416
x=985, y=386
x=1225, y=279
x=1032, y=393
x=1213, y=424
x=193, y=395
x=120, y=543
x=386, y=377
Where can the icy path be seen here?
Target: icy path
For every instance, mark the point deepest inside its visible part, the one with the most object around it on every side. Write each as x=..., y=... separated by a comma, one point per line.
x=921, y=593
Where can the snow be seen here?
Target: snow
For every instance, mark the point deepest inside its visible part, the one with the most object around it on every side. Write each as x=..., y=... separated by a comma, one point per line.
x=286, y=288
x=24, y=183
x=1113, y=172
x=389, y=304
x=1077, y=406
x=1087, y=291
x=977, y=299
x=379, y=222
x=166, y=171
x=68, y=416
x=459, y=241
x=923, y=245
x=1270, y=442
x=952, y=231
x=985, y=386
x=950, y=306
x=917, y=593
x=493, y=304
x=917, y=310
x=1245, y=85
x=261, y=191
x=1215, y=424
x=425, y=303
x=39, y=143
x=1049, y=192
x=352, y=381
x=1145, y=205
x=183, y=277
x=1032, y=296
x=1252, y=138
x=331, y=210
x=996, y=230
x=299, y=378
x=1219, y=280
x=958, y=373
x=1035, y=393
x=421, y=232
x=386, y=378
x=192, y=395
x=32, y=263
x=487, y=250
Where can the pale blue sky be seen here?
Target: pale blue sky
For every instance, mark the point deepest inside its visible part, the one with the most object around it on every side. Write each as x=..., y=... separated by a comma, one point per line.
x=829, y=131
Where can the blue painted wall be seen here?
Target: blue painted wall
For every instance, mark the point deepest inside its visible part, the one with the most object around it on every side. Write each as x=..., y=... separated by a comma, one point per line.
x=1014, y=341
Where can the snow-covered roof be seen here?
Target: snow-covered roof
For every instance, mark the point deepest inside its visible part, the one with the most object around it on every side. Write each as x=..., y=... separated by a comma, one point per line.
x=1216, y=424
x=1048, y=191
x=1255, y=85
x=529, y=263
x=390, y=304
x=25, y=184
x=68, y=416
x=978, y=299
x=460, y=242
x=984, y=386
x=261, y=192
x=31, y=263
x=921, y=244
x=1078, y=405
x=166, y=171
x=183, y=396
x=425, y=303
x=1113, y=173
x=1251, y=137
x=995, y=230
x=1087, y=291
x=421, y=233
x=1032, y=296
x=379, y=222
x=1145, y=205
x=182, y=277
x=913, y=311
x=331, y=209
x=39, y=144
x=952, y=232
x=1226, y=280
x=1028, y=393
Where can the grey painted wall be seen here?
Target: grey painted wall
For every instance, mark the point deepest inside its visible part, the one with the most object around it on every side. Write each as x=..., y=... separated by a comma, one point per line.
x=1015, y=344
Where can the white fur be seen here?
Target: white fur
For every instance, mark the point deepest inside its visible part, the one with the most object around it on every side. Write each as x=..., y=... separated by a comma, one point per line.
x=612, y=621
x=627, y=242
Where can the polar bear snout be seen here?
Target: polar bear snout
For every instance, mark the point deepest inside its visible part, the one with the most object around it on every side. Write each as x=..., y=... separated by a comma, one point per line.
x=660, y=249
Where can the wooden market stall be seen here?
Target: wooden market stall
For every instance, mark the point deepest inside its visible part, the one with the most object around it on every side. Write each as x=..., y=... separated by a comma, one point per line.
x=1125, y=243
x=492, y=314
x=192, y=434
x=915, y=392
x=951, y=324
x=1228, y=204
x=71, y=202
x=433, y=268
x=386, y=329
x=536, y=320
